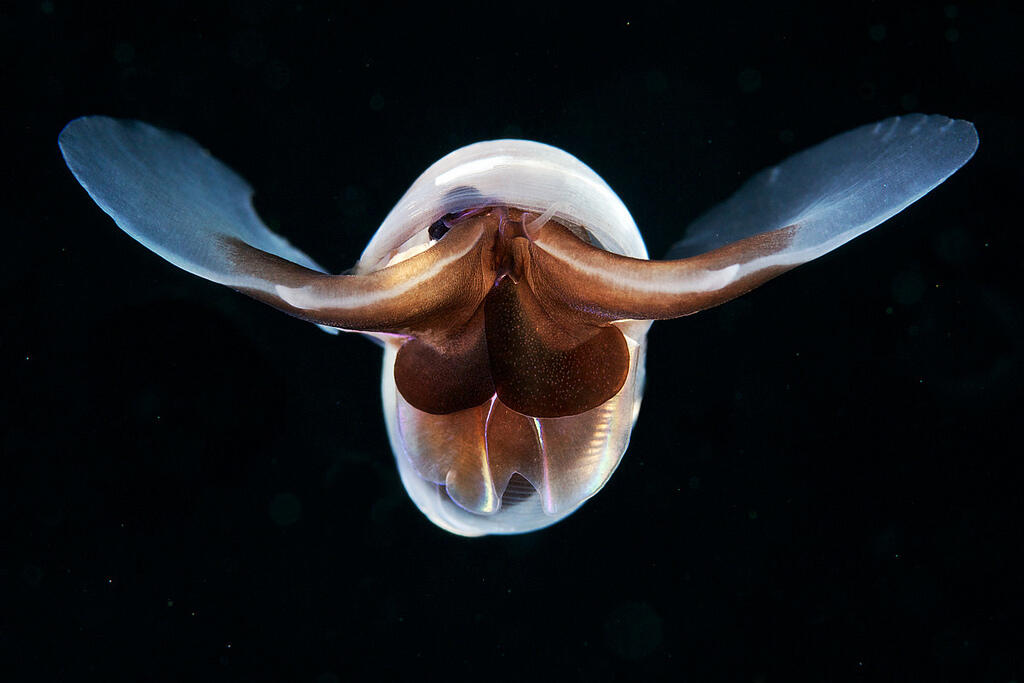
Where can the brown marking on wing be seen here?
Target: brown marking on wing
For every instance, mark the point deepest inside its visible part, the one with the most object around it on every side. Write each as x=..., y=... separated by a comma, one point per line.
x=601, y=285
x=422, y=296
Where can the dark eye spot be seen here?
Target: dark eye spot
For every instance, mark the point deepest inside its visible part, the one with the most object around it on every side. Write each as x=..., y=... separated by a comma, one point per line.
x=437, y=229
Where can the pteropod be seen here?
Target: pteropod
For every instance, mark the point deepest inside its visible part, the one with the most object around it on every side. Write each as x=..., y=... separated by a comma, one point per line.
x=510, y=287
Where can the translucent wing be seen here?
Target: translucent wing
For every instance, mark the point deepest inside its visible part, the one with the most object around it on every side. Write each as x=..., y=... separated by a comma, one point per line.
x=786, y=215
x=839, y=189
x=170, y=194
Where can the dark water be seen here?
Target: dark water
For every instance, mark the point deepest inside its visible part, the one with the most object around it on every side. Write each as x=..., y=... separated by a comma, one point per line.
x=825, y=480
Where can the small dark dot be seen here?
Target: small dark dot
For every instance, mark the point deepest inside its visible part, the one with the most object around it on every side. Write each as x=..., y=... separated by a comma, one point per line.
x=437, y=229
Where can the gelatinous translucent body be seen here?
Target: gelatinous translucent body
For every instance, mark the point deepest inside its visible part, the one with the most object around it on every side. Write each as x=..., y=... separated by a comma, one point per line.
x=457, y=467
x=510, y=287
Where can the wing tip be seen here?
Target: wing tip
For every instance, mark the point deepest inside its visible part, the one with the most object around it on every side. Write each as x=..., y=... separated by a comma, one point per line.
x=76, y=124
x=941, y=124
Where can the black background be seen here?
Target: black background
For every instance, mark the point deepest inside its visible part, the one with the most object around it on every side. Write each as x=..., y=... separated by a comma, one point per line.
x=825, y=480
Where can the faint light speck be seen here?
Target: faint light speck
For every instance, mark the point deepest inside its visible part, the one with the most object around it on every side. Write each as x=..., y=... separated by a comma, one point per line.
x=512, y=130
x=32, y=574
x=908, y=287
x=633, y=630
x=749, y=80
x=124, y=53
x=877, y=33
x=656, y=81
x=277, y=75
x=953, y=245
x=285, y=509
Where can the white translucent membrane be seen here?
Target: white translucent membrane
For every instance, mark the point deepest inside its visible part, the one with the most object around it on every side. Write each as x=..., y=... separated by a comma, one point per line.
x=518, y=173
x=170, y=194
x=838, y=189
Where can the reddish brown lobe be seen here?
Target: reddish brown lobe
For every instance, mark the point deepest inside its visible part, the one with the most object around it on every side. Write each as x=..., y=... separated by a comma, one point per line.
x=495, y=307
x=449, y=378
x=543, y=365
x=538, y=356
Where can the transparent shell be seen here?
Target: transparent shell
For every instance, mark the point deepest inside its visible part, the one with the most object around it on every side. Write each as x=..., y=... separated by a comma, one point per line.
x=516, y=173
x=490, y=470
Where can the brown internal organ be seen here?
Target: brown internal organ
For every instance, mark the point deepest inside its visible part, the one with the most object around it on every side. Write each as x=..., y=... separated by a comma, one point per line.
x=541, y=357
x=544, y=364
x=447, y=379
